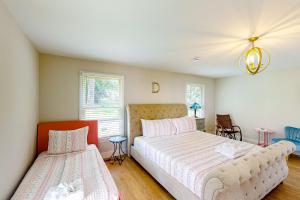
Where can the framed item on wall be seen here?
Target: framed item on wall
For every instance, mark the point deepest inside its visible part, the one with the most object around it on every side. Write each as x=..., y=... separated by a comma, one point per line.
x=155, y=87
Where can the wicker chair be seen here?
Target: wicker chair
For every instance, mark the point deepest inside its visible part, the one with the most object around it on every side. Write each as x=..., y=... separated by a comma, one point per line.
x=226, y=129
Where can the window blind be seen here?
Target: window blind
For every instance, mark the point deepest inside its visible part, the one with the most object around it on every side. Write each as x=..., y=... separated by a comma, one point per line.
x=195, y=93
x=102, y=99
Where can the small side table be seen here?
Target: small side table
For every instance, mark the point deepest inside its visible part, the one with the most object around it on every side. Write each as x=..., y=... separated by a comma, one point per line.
x=266, y=134
x=117, y=141
x=200, y=122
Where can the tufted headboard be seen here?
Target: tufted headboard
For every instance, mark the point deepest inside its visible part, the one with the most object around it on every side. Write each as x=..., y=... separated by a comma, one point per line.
x=136, y=112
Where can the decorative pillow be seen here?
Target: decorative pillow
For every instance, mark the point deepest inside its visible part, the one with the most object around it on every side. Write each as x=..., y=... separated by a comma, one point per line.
x=184, y=124
x=154, y=128
x=67, y=141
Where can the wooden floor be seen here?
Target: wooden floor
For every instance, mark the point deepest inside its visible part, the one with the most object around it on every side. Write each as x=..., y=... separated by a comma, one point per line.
x=134, y=183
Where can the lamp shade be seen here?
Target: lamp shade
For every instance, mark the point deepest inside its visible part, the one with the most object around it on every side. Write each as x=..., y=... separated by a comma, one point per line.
x=195, y=106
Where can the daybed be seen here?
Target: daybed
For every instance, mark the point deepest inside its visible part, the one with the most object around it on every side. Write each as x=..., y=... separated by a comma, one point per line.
x=86, y=167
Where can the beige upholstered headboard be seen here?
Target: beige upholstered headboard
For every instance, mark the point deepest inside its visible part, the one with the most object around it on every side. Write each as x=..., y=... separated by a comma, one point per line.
x=136, y=112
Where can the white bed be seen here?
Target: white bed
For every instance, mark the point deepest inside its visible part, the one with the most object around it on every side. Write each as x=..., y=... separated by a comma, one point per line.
x=189, y=168
x=50, y=170
x=68, y=165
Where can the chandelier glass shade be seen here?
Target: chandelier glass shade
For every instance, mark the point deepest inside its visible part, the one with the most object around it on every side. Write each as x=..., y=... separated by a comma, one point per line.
x=254, y=59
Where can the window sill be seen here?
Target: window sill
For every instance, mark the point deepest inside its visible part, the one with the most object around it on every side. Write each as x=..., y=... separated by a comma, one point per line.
x=107, y=136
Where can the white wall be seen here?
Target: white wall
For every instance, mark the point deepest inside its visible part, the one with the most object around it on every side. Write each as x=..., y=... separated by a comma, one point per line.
x=59, y=87
x=18, y=103
x=270, y=100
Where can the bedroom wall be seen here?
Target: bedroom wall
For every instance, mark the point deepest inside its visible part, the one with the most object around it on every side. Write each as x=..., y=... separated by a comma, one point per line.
x=270, y=99
x=18, y=103
x=59, y=88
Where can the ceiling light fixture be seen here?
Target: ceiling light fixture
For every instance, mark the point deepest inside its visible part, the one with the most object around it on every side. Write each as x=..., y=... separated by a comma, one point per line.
x=255, y=59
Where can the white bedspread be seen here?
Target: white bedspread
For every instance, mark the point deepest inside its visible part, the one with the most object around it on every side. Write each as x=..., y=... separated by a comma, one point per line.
x=187, y=157
x=50, y=171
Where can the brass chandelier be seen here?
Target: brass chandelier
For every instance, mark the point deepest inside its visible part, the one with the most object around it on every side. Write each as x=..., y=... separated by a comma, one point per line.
x=254, y=59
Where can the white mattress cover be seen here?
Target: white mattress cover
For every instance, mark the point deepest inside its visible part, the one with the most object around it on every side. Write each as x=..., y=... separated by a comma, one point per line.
x=186, y=157
x=50, y=170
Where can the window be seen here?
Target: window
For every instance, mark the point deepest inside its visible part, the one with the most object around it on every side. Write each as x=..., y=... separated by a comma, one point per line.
x=195, y=93
x=101, y=98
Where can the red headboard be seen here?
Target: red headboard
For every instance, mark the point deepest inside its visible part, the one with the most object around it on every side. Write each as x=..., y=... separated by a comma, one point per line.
x=43, y=130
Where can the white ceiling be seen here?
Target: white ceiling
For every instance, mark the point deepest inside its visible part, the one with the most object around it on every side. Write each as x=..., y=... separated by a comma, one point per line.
x=163, y=34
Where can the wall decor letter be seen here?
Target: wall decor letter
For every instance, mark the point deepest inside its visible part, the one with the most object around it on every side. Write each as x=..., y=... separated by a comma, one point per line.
x=155, y=87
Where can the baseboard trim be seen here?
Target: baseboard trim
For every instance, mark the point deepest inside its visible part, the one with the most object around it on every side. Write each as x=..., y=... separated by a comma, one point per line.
x=106, y=155
x=250, y=140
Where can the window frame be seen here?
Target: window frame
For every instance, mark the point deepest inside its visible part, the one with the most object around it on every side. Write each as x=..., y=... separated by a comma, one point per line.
x=202, y=103
x=100, y=74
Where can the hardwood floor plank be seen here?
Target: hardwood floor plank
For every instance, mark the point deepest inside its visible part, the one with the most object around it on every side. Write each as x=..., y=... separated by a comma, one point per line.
x=134, y=183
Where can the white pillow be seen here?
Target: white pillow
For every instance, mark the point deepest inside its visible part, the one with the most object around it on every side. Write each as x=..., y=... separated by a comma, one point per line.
x=67, y=141
x=184, y=124
x=154, y=128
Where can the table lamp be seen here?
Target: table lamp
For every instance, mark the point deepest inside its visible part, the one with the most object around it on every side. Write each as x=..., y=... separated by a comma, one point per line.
x=195, y=106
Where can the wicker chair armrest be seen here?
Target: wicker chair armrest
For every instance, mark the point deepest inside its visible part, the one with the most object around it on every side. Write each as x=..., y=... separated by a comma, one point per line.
x=237, y=127
x=219, y=127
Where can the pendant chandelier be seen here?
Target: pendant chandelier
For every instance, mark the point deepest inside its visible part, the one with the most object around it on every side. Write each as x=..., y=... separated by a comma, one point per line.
x=255, y=59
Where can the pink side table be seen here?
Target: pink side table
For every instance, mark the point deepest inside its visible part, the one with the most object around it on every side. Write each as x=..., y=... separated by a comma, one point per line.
x=266, y=134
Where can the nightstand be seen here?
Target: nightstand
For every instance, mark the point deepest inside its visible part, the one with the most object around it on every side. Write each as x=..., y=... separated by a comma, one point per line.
x=200, y=122
x=117, y=140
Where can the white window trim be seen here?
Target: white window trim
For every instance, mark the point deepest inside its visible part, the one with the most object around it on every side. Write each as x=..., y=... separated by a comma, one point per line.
x=121, y=77
x=203, y=97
